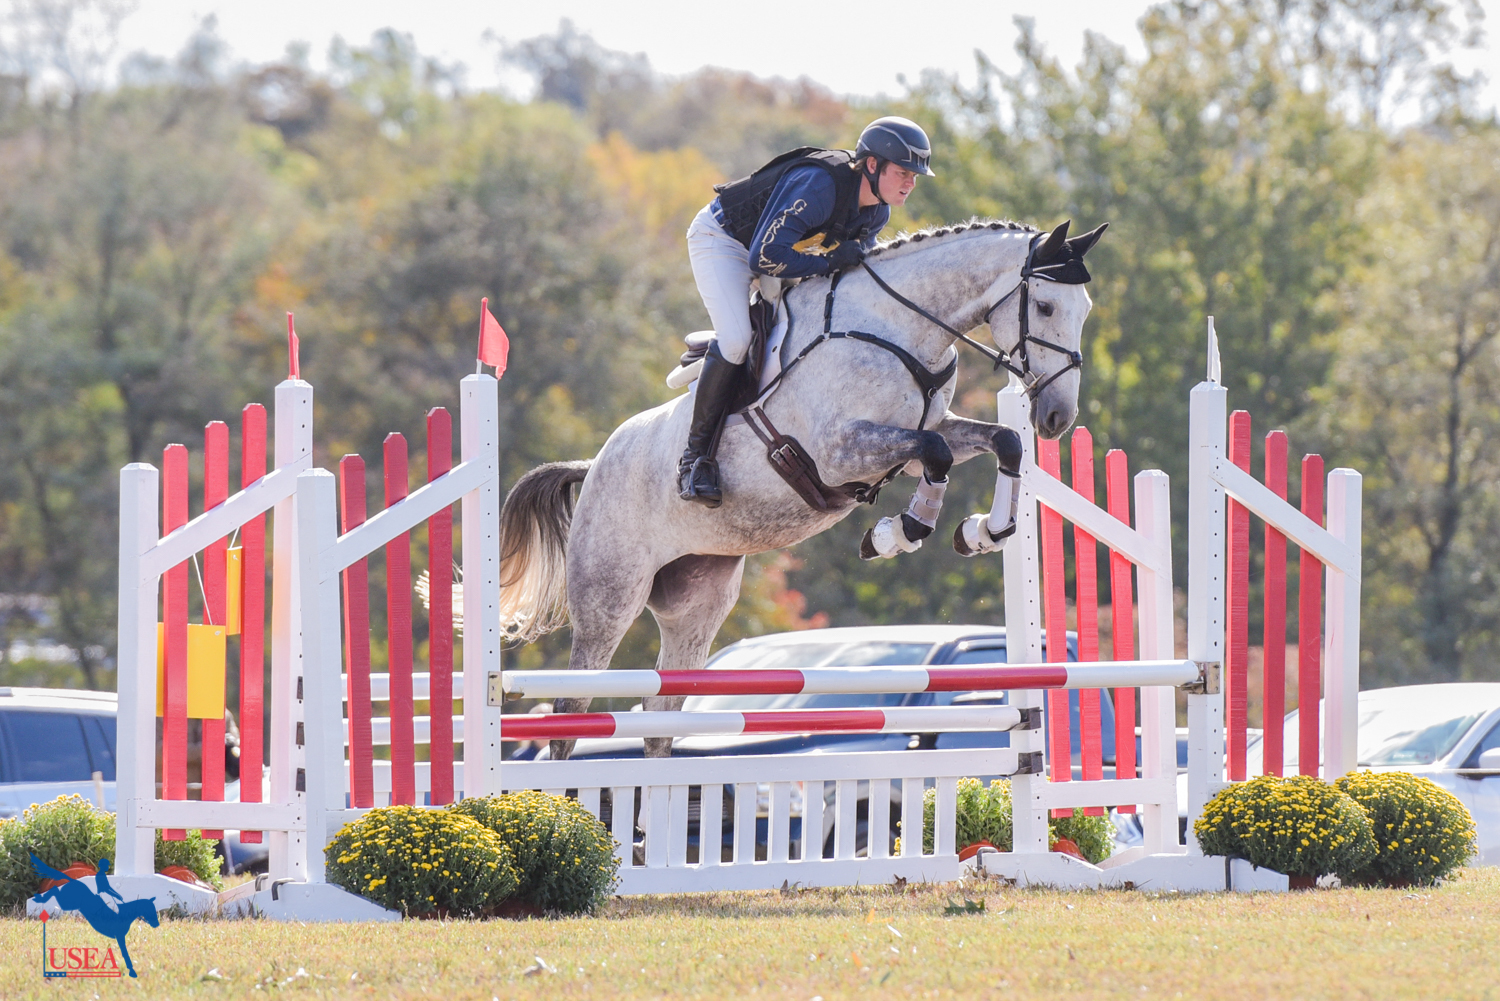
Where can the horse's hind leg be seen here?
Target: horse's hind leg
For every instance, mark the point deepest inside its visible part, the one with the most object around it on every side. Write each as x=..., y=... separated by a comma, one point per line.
x=690, y=598
x=606, y=591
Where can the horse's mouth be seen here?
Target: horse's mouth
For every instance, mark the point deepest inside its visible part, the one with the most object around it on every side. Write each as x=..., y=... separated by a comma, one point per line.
x=1055, y=427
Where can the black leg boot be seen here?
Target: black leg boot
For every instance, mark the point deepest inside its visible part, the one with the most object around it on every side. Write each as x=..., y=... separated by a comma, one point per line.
x=698, y=471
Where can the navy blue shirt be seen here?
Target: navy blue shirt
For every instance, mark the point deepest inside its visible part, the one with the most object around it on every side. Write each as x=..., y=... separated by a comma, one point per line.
x=788, y=241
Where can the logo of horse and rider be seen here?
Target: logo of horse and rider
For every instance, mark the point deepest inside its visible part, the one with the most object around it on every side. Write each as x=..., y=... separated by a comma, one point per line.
x=112, y=920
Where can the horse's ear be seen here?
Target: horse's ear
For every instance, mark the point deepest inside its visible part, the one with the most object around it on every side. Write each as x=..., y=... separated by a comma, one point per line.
x=1053, y=244
x=1083, y=244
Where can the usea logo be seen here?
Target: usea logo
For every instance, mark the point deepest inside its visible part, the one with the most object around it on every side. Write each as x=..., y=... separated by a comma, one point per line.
x=112, y=920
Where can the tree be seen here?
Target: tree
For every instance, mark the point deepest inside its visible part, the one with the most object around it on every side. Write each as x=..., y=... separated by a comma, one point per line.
x=1232, y=189
x=1413, y=397
x=133, y=223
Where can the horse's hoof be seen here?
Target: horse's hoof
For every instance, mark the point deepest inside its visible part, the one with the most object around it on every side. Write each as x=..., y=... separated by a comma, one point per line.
x=973, y=536
x=960, y=544
x=887, y=538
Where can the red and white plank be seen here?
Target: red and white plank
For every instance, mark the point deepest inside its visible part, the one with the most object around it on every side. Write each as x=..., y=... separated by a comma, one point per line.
x=847, y=680
x=909, y=719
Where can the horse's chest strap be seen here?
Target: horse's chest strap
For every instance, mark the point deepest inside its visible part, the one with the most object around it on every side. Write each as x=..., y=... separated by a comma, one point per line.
x=928, y=382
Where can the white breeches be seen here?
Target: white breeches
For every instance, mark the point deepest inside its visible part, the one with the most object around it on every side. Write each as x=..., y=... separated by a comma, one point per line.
x=721, y=267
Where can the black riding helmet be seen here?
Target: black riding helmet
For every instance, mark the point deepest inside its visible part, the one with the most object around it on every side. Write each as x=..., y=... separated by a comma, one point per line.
x=894, y=140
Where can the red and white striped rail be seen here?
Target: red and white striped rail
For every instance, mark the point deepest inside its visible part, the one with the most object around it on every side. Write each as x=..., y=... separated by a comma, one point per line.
x=720, y=723
x=846, y=680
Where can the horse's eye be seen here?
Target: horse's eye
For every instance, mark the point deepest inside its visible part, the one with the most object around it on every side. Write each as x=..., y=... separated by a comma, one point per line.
x=1045, y=308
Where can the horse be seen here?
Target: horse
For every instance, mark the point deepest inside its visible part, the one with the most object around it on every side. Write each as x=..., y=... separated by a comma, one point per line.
x=850, y=407
x=111, y=922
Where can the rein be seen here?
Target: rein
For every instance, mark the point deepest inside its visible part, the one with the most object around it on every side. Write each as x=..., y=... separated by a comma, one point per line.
x=1002, y=359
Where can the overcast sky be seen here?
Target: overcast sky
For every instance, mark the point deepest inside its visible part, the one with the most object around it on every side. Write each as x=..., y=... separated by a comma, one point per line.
x=853, y=48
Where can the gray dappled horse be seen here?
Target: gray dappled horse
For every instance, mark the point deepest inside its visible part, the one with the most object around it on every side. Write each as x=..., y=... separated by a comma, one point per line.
x=852, y=405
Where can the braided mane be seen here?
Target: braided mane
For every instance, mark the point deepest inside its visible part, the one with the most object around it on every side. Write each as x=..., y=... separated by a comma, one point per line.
x=907, y=240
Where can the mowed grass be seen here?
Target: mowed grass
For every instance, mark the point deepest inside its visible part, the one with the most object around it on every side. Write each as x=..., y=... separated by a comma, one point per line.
x=863, y=943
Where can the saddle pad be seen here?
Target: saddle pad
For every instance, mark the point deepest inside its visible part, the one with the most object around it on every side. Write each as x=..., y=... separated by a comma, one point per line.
x=687, y=375
x=770, y=366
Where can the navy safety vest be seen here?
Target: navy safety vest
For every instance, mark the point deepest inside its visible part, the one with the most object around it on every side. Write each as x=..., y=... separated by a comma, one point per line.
x=743, y=201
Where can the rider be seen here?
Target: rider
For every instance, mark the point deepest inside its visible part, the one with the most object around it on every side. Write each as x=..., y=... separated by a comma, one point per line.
x=808, y=212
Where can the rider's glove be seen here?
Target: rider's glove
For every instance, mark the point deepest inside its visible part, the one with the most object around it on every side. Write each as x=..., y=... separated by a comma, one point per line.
x=846, y=255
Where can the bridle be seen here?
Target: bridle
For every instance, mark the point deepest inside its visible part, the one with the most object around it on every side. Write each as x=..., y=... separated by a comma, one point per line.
x=1003, y=358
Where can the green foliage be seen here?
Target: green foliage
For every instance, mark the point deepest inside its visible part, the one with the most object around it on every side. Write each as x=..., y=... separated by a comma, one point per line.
x=1094, y=836
x=564, y=856
x=71, y=829
x=420, y=861
x=195, y=852
x=1300, y=826
x=13, y=888
x=1422, y=832
x=1411, y=404
x=983, y=813
x=59, y=832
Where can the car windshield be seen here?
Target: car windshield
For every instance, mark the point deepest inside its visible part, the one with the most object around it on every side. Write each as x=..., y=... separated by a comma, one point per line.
x=1421, y=729
x=794, y=656
x=1417, y=733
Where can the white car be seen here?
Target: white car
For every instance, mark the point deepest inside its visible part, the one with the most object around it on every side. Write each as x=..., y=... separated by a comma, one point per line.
x=1448, y=733
x=60, y=742
x=52, y=741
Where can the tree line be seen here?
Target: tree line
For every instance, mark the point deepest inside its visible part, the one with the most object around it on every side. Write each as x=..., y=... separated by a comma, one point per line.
x=1313, y=173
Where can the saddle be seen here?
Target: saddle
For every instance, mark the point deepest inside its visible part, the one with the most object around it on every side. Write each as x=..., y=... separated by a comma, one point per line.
x=762, y=322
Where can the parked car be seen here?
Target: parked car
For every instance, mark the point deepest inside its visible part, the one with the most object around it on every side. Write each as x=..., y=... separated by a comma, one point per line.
x=865, y=646
x=1437, y=731
x=54, y=741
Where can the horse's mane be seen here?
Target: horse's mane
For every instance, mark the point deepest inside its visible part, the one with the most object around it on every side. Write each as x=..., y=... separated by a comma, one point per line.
x=907, y=241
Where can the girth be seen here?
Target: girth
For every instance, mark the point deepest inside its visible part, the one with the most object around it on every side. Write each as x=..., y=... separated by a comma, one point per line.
x=793, y=464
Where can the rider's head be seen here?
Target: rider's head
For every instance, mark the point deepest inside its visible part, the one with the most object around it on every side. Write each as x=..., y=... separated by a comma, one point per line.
x=891, y=153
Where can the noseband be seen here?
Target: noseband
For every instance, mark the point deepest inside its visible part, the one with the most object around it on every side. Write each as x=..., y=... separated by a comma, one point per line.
x=1004, y=359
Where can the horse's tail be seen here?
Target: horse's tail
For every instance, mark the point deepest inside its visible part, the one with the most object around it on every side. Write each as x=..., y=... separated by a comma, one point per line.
x=533, y=550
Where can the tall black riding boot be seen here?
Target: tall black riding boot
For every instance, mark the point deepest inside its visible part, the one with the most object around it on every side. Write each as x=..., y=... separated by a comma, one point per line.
x=697, y=470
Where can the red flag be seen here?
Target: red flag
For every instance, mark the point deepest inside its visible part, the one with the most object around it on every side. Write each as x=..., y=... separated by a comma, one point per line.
x=494, y=346
x=294, y=364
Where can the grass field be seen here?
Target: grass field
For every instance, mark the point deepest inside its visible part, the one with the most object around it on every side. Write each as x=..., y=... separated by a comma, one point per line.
x=864, y=943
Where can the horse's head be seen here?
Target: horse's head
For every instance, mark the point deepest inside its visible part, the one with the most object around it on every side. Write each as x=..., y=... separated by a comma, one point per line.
x=1040, y=327
x=145, y=909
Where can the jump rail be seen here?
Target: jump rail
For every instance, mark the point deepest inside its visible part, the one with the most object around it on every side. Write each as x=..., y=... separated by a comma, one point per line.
x=717, y=723
x=839, y=680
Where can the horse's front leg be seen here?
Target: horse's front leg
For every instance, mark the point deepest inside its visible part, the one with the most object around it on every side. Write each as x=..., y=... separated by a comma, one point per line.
x=986, y=533
x=124, y=952
x=867, y=445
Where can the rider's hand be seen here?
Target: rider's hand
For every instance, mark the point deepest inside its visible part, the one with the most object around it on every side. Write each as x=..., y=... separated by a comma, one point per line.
x=846, y=255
